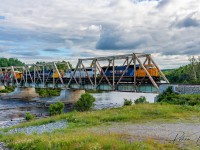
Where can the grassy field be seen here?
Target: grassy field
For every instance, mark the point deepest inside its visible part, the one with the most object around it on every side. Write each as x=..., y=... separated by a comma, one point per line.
x=78, y=136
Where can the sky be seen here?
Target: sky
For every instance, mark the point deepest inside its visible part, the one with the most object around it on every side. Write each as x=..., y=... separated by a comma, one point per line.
x=52, y=30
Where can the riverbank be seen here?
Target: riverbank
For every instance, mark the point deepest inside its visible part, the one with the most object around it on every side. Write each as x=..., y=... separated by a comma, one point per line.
x=85, y=130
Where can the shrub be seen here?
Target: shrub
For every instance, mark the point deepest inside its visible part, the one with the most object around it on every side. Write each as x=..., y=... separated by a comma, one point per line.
x=140, y=100
x=56, y=108
x=127, y=102
x=29, y=116
x=171, y=97
x=85, y=102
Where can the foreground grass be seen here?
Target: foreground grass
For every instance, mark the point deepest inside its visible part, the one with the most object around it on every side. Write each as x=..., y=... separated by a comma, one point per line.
x=76, y=135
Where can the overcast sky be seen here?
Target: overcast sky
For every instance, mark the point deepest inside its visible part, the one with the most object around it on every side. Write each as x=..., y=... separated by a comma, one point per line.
x=67, y=29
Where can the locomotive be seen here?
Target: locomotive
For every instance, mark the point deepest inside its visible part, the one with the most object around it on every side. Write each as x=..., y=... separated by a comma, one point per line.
x=140, y=72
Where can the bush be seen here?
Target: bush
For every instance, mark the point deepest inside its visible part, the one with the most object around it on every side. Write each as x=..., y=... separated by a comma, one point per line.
x=56, y=109
x=127, y=102
x=171, y=97
x=29, y=116
x=85, y=102
x=140, y=100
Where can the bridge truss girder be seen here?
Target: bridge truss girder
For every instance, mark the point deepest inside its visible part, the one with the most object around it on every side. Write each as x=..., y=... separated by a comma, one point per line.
x=33, y=74
x=135, y=58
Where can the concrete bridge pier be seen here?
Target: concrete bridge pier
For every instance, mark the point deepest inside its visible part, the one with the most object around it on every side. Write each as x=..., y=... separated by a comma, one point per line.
x=69, y=95
x=2, y=87
x=25, y=93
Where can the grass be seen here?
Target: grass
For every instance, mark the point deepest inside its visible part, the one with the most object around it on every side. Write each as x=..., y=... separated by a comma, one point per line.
x=140, y=113
x=82, y=140
x=8, y=89
x=48, y=92
x=78, y=136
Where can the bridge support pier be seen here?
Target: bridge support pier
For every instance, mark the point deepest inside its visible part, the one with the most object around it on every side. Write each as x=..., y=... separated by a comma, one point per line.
x=68, y=95
x=22, y=93
x=2, y=87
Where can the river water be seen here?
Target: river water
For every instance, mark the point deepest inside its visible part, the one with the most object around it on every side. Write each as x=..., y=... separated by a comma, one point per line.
x=15, y=109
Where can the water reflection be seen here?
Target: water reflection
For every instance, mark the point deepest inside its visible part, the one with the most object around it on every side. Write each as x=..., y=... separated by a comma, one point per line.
x=116, y=99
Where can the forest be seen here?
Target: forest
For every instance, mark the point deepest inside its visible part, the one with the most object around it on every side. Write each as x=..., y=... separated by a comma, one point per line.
x=188, y=74
x=5, y=62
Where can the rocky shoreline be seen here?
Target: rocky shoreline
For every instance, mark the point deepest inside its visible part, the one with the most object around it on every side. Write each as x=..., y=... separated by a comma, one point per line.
x=7, y=124
x=41, y=128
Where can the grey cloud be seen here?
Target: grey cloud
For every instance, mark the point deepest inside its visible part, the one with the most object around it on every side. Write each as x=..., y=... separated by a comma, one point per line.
x=26, y=53
x=52, y=50
x=188, y=22
x=163, y=3
x=115, y=38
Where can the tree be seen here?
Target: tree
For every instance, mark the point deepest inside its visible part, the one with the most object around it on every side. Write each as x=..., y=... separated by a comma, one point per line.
x=85, y=102
x=56, y=109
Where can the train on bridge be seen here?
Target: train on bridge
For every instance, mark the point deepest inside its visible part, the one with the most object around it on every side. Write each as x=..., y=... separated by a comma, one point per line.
x=126, y=71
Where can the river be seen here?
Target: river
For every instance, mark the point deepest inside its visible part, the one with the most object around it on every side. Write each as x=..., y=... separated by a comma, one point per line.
x=15, y=109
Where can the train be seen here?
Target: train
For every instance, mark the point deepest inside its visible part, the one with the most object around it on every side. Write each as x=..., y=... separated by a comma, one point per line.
x=140, y=72
x=108, y=71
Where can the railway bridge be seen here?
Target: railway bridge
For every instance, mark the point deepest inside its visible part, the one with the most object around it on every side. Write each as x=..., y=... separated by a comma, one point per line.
x=136, y=72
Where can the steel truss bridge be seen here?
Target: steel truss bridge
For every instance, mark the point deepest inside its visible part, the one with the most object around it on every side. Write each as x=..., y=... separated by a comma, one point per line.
x=36, y=75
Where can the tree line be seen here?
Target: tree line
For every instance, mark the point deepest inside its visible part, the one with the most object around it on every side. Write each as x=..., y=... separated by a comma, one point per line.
x=5, y=62
x=185, y=74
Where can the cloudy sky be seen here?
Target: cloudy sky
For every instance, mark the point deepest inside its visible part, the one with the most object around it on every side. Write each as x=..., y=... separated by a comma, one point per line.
x=67, y=29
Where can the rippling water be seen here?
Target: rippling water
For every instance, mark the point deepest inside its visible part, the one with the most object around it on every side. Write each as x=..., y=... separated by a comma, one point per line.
x=11, y=109
x=116, y=99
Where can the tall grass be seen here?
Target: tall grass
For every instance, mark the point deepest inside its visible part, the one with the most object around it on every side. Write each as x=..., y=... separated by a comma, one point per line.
x=82, y=140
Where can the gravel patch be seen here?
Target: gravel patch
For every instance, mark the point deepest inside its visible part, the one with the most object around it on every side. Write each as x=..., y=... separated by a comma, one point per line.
x=6, y=124
x=3, y=146
x=41, y=128
x=174, y=132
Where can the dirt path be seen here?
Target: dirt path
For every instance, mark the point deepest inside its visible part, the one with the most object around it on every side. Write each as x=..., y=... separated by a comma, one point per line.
x=172, y=132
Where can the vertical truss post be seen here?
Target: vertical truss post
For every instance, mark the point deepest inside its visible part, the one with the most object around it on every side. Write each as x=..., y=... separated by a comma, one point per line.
x=87, y=74
x=29, y=73
x=26, y=82
x=14, y=75
x=59, y=75
x=113, y=64
x=161, y=73
x=124, y=71
x=43, y=75
x=153, y=82
x=95, y=74
x=134, y=59
x=53, y=79
x=70, y=80
x=104, y=74
x=34, y=74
